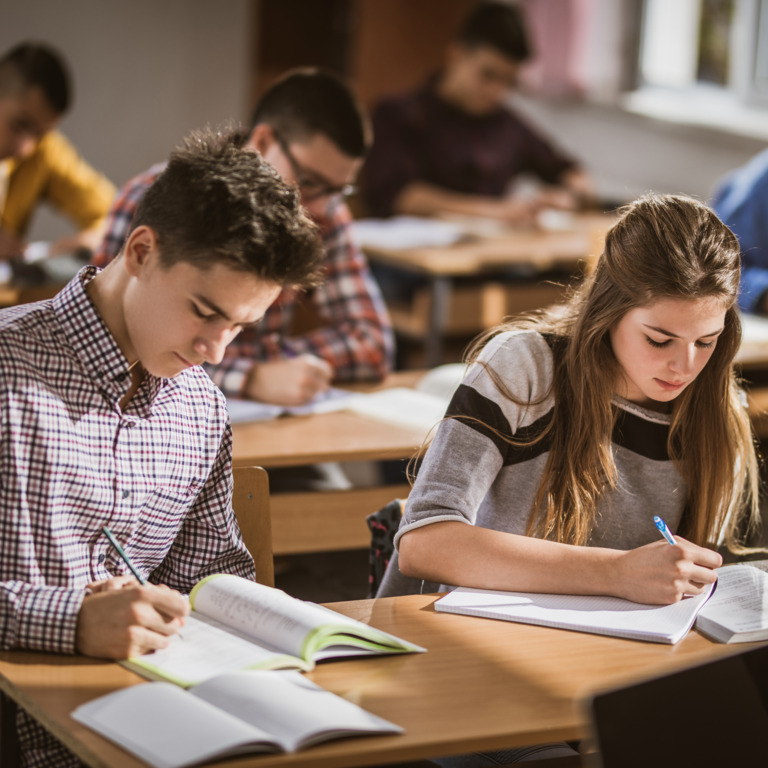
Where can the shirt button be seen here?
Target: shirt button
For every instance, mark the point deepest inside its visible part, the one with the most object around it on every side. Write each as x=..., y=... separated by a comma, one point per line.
x=126, y=494
x=102, y=558
x=131, y=424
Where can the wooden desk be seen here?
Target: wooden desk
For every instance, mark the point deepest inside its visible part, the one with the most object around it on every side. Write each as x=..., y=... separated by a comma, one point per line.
x=327, y=520
x=482, y=685
x=541, y=249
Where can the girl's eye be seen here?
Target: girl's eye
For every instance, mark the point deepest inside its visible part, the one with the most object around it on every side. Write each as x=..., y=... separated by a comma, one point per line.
x=657, y=344
x=705, y=344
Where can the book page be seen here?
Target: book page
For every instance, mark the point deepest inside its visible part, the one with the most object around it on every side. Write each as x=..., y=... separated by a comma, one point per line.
x=740, y=601
x=296, y=711
x=331, y=399
x=169, y=728
x=443, y=380
x=269, y=616
x=401, y=406
x=281, y=622
x=584, y=613
x=205, y=648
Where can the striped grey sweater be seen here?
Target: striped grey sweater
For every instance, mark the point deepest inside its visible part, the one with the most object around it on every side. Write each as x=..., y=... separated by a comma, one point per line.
x=472, y=476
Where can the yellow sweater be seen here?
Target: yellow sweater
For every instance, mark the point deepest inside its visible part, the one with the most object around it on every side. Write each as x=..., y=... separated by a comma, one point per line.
x=55, y=173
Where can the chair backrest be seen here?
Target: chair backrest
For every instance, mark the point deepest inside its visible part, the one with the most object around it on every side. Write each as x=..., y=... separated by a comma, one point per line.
x=250, y=500
x=715, y=714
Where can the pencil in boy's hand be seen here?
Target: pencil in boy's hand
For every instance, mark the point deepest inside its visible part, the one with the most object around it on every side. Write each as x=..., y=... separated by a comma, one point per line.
x=121, y=552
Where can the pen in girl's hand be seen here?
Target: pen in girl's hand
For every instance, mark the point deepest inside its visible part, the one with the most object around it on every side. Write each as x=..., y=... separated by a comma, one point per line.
x=662, y=526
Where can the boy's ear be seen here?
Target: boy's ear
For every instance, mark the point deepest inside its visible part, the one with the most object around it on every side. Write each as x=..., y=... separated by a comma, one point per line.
x=262, y=138
x=139, y=247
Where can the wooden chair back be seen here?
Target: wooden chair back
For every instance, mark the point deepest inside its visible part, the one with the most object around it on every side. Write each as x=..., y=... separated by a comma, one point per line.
x=250, y=501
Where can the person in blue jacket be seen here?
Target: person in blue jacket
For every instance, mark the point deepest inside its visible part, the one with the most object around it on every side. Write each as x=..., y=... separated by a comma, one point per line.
x=741, y=201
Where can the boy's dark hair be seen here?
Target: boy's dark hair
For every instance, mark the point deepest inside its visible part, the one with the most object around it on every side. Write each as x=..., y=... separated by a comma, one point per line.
x=305, y=102
x=35, y=64
x=498, y=25
x=218, y=201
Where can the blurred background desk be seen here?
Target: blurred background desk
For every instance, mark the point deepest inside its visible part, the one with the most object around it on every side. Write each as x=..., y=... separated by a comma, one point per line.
x=319, y=521
x=450, y=307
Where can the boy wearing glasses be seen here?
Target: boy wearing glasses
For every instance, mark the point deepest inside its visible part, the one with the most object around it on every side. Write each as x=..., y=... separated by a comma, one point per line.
x=312, y=130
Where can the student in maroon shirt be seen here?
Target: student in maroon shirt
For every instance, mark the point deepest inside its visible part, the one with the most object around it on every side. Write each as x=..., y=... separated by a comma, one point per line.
x=453, y=146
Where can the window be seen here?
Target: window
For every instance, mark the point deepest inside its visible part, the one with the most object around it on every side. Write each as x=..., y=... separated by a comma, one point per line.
x=706, y=62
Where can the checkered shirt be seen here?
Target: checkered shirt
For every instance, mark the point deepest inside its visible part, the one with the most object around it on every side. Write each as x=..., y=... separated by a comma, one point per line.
x=71, y=461
x=355, y=334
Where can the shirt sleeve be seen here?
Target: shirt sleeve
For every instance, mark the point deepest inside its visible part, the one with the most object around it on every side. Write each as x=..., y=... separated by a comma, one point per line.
x=354, y=334
x=472, y=444
x=73, y=186
x=121, y=215
x=209, y=540
x=39, y=618
x=394, y=160
x=749, y=222
x=540, y=156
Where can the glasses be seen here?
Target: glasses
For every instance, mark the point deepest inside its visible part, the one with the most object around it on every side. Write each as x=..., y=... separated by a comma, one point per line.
x=312, y=187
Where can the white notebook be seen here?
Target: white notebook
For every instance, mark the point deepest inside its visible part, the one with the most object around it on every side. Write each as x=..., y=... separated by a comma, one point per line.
x=235, y=714
x=583, y=613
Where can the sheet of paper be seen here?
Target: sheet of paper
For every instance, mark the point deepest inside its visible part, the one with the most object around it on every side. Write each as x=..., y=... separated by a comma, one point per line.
x=400, y=232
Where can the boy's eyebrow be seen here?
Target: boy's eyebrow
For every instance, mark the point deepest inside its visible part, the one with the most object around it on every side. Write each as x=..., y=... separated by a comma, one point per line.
x=675, y=336
x=219, y=311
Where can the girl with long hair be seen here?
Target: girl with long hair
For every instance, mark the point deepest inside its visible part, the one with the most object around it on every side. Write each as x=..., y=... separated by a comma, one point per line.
x=573, y=428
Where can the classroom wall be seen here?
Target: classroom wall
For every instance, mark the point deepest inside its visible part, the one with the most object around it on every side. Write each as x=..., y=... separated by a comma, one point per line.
x=144, y=71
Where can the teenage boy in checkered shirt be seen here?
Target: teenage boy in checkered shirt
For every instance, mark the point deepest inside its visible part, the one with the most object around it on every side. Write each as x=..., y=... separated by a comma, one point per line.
x=108, y=419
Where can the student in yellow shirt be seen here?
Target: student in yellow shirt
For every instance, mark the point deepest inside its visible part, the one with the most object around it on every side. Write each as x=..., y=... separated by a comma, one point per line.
x=37, y=163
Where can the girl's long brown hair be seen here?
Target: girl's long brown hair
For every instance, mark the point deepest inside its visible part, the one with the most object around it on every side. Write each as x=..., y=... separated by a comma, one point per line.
x=661, y=247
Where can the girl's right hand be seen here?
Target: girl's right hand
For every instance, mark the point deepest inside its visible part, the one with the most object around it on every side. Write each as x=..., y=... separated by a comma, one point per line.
x=660, y=574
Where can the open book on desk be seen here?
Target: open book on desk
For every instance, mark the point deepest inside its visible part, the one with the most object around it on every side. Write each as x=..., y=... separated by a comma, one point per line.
x=332, y=399
x=421, y=407
x=234, y=714
x=733, y=610
x=737, y=612
x=599, y=615
x=236, y=624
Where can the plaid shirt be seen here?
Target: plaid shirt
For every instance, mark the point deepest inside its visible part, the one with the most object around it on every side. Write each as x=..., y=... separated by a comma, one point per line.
x=71, y=461
x=355, y=336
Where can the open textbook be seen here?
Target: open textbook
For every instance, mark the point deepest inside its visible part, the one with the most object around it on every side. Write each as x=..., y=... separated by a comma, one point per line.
x=737, y=612
x=734, y=609
x=237, y=624
x=332, y=399
x=420, y=407
x=234, y=714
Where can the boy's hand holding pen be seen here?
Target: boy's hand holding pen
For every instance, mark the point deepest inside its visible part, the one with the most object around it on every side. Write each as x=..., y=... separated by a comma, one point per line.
x=119, y=619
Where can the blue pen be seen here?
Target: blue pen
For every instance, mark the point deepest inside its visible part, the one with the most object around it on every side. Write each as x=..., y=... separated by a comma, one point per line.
x=662, y=526
x=121, y=552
